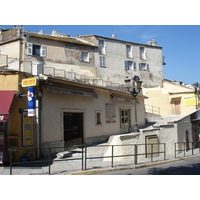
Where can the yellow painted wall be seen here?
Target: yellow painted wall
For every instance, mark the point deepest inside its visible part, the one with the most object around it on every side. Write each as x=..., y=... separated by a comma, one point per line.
x=11, y=82
x=164, y=98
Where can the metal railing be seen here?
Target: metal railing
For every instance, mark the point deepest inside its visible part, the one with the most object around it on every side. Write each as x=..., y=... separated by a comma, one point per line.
x=152, y=109
x=181, y=147
x=82, y=78
x=50, y=159
x=134, y=153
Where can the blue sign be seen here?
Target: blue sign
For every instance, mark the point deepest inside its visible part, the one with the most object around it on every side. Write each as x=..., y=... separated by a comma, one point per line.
x=31, y=101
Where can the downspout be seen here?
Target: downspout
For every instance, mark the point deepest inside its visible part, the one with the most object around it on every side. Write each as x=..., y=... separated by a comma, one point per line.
x=38, y=116
x=38, y=127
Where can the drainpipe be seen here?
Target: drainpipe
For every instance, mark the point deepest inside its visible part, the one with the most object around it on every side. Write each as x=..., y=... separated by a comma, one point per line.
x=38, y=128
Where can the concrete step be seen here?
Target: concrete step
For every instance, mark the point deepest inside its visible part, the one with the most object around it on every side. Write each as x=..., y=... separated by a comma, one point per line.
x=92, y=151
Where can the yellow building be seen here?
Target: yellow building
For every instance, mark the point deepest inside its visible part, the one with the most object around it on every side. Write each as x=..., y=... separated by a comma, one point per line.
x=17, y=130
x=171, y=99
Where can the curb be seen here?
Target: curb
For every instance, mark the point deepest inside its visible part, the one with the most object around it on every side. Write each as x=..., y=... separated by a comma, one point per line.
x=96, y=171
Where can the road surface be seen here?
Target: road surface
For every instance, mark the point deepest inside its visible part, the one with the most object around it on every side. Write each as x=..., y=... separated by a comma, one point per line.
x=190, y=166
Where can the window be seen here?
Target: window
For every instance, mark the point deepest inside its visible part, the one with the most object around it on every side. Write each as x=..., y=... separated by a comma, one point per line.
x=129, y=52
x=128, y=65
x=84, y=56
x=144, y=67
x=98, y=117
x=102, y=61
x=142, y=53
x=102, y=47
x=36, y=50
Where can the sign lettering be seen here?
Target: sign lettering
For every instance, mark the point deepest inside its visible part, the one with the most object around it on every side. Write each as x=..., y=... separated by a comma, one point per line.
x=29, y=82
x=71, y=92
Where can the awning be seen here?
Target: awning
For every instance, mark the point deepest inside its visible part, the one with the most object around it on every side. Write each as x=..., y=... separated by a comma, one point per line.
x=6, y=97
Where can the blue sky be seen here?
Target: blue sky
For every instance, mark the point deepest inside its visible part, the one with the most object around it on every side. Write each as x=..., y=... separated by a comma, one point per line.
x=180, y=43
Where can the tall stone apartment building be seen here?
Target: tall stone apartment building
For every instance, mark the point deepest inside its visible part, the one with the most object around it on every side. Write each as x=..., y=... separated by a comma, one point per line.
x=117, y=59
x=94, y=57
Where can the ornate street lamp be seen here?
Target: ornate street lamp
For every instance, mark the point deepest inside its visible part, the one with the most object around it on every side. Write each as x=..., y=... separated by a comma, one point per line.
x=134, y=88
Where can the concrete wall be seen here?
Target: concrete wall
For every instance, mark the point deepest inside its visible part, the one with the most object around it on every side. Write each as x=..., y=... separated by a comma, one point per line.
x=183, y=126
x=168, y=134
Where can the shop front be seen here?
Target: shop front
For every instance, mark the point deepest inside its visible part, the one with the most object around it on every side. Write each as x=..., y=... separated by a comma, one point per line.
x=6, y=98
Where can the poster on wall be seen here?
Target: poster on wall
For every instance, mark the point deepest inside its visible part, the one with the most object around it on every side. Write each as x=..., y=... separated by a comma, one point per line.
x=27, y=130
x=110, y=113
x=190, y=100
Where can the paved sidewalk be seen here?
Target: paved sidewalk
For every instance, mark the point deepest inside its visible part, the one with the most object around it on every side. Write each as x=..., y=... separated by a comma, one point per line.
x=62, y=166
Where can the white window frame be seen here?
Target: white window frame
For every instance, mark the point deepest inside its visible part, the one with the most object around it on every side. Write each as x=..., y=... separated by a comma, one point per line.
x=129, y=51
x=128, y=65
x=144, y=67
x=84, y=58
x=43, y=49
x=102, y=61
x=30, y=49
x=102, y=47
x=143, y=53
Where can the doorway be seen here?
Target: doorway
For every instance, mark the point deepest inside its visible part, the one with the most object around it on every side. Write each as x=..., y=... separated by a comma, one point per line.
x=125, y=120
x=73, y=128
x=152, y=139
x=177, y=107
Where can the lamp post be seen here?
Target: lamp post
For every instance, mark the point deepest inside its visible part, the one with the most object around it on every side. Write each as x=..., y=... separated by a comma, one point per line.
x=134, y=88
x=196, y=90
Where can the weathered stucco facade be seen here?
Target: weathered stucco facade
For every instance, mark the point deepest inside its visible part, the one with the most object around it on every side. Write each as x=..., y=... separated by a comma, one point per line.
x=94, y=57
x=123, y=58
x=101, y=114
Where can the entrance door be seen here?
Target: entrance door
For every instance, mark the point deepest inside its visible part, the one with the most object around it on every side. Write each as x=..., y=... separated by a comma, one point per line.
x=73, y=128
x=177, y=107
x=152, y=148
x=125, y=120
